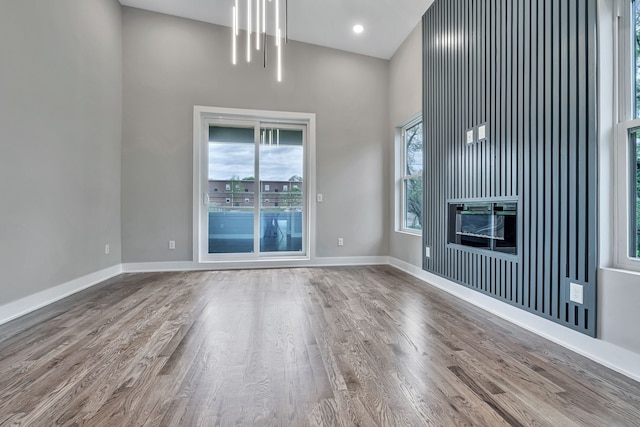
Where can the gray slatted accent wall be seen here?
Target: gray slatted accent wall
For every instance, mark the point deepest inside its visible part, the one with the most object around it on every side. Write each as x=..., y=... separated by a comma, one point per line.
x=528, y=69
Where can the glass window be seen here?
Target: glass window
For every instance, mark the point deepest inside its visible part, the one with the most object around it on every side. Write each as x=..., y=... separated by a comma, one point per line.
x=628, y=157
x=634, y=196
x=411, y=176
x=635, y=25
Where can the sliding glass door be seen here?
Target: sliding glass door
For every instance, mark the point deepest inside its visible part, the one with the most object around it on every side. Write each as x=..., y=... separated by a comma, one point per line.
x=254, y=205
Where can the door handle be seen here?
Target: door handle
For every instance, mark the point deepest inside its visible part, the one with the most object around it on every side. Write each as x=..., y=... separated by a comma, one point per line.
x=205, y=199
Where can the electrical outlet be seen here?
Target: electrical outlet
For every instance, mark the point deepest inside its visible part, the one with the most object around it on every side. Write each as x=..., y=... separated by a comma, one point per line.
x=576, y=293
x=340, y=241
x=172, y=244
x=427, y=252
x=107, y=249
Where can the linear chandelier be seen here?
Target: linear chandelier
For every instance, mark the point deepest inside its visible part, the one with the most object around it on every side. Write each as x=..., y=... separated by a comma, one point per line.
x=260, y=20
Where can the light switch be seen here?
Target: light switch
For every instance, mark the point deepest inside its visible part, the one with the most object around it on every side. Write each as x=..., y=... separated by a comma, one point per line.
x=319, y=198
x=470, y=136
x=482, y=132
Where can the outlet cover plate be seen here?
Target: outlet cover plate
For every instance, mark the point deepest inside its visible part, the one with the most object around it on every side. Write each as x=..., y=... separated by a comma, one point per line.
x=576, y=293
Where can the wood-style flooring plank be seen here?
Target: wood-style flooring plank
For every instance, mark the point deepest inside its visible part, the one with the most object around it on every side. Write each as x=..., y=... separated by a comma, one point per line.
x=342, y=346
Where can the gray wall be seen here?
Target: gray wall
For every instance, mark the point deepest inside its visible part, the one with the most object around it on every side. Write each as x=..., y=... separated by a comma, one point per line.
x=618, y=291
x=172, y=64
x=405, y=100
x=60, y=141
x=527, y=69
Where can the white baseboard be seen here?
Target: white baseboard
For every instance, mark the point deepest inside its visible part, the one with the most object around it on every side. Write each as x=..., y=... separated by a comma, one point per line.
x=617, y=358
x=30, y=303
x=139, y=267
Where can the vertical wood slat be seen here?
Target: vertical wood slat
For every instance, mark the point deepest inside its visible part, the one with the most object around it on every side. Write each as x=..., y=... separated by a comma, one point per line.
x=592, y=162
x=542, y=169
x=548, y=306
x=527, y=70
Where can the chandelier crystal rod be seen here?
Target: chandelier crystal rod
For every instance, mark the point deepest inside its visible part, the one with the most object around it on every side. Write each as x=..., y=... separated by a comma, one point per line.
x=261, y=28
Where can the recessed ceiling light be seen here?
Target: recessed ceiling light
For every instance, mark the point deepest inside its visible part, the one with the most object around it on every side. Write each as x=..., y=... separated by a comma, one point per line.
x=358, y=28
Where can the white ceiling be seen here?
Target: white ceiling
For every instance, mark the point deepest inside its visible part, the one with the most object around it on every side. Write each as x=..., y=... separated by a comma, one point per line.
x=321, y=22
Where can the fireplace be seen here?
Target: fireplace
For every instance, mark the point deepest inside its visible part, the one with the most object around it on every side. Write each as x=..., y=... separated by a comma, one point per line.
x=490, y=225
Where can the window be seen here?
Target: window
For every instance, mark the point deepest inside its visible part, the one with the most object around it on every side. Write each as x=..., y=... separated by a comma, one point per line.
x=266, y=187
x=627, y=168
x=411, y=176
x=285, y=188
x=227, y=187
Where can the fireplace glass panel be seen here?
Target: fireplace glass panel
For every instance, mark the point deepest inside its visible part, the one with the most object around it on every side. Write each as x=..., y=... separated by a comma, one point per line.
x=484, y=225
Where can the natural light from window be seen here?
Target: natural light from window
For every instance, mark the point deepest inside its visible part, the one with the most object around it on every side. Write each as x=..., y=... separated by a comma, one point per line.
x=412, y=167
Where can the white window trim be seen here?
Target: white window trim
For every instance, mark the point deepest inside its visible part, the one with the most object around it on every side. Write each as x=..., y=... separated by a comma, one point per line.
x=400, y=155
x=204, y=114
x=624, y=112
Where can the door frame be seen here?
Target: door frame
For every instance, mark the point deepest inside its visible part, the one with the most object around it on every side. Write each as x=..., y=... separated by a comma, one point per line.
x=203, y=116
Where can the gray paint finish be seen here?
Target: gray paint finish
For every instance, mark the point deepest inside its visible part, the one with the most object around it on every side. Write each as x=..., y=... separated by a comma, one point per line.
x=527, y=69
x=405, y=100
x=60, y=133
x=172, y=64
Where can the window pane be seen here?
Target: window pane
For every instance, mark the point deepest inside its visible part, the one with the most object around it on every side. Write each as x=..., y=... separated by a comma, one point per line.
x=636, y=57
x=634, y=181
x=282, y=201
x=413, y=149
x=231, y=192
x=413, y=203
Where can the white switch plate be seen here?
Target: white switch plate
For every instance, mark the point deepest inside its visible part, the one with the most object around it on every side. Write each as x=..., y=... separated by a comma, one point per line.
x=470, y=136
x=319, y=198
x=172, y=244
x=576, y=293
x=340, y=241
x=107, y=249
x=482, y=132
x=427, y=252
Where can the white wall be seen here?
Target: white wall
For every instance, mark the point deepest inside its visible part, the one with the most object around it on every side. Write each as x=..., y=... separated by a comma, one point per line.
x=618, y=290
x=172, y=64
x=60, y=142
x=405, y=100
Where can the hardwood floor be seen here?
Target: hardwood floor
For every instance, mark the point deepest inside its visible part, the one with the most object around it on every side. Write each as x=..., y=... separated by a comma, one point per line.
x=367, y=346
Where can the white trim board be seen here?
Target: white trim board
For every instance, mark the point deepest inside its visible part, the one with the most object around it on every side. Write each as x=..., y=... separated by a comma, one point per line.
x=33, y=302
x=140, y=267
x=617, y=358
